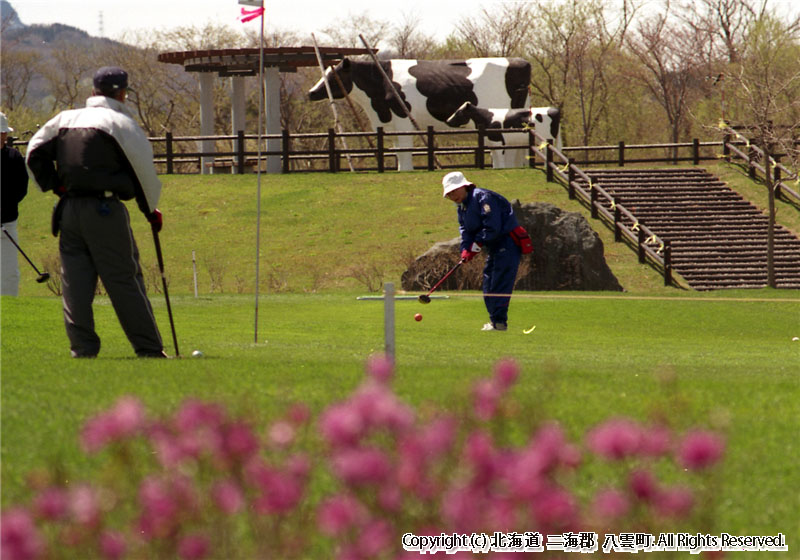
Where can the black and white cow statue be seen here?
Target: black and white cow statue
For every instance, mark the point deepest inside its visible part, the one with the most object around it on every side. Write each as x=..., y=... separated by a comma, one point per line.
x=432, y=90
x=545, y=121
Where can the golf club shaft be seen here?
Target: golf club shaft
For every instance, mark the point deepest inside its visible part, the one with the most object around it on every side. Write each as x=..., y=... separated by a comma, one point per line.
x=21, y=251
x=164, y=284
x=445, y=277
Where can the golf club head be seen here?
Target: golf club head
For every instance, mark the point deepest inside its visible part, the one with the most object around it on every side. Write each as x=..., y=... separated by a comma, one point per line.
x=43, y=277
x=424, y=298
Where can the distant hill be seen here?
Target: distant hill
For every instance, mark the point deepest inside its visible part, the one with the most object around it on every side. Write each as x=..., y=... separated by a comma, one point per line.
x=42, y=39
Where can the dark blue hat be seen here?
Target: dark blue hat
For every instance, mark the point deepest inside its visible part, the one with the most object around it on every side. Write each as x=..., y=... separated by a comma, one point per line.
x=110, y=79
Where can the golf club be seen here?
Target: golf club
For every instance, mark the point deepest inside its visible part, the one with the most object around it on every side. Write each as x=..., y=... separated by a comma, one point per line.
x=43, y=276
x=426, y=298
x=164, y=284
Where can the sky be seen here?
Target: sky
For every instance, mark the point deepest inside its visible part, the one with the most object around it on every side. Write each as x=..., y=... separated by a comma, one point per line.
x=437, y=17
x=302, y=16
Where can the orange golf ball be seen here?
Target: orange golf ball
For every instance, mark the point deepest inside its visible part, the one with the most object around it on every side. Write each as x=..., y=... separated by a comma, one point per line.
x=418, y=317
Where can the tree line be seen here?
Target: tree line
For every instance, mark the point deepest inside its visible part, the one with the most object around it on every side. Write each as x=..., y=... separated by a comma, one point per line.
x=617, y=69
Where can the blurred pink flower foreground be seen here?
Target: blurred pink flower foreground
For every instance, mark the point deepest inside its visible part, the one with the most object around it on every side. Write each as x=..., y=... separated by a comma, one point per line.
x=203, y=484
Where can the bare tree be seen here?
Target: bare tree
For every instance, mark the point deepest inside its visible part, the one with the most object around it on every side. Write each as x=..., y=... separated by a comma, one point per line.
x=69, y=75
x=406, y=41
x=19, y=68
x=344, y=32
x=669, y=65
x=767, y=94
x=503, y=31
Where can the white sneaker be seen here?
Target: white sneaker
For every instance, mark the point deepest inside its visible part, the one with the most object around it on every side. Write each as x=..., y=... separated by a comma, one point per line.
x=495, y=327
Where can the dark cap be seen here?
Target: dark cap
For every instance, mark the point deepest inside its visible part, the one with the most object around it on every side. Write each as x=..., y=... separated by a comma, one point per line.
x=110, y=79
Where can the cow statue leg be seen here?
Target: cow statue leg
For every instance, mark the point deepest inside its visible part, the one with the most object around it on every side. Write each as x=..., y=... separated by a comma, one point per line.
x=405, y=160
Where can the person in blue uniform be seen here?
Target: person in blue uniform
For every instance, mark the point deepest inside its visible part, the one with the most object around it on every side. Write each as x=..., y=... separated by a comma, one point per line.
x=486, y=221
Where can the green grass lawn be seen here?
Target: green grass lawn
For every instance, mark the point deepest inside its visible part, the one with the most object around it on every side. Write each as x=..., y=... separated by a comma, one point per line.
x=722, y=359
x=720, y=362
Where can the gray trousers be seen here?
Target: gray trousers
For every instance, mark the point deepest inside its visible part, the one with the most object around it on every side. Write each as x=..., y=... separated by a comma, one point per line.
x=96, y=239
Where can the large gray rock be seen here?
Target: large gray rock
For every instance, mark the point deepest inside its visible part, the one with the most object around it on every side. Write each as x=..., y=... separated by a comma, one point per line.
x=567, y=255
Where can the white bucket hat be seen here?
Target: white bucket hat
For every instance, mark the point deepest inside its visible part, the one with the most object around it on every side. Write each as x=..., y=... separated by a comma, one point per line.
x=452, y=181
x=4, y=124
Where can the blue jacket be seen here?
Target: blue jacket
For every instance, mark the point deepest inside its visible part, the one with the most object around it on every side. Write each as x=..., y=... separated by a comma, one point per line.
x=486, y=218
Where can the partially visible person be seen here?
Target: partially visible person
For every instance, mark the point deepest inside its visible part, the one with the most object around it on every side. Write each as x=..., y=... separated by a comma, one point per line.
x=13, y=188
x=487, y=222
x=93, y=159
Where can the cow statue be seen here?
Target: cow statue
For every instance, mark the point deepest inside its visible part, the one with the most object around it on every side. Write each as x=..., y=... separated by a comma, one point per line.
x=545, y=121
x=431, y=90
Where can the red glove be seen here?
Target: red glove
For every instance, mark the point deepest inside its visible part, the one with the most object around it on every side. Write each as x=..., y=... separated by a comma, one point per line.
x=469, y=254
x=156, y=220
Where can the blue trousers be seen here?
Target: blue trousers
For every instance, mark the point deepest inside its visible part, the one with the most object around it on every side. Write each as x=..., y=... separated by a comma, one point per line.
x=499, y=275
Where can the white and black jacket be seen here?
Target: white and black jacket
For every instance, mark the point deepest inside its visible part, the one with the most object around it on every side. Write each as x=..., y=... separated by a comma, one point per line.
x=98, y=148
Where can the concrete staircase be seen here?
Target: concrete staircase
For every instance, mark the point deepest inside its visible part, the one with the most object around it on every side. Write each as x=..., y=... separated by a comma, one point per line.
x=718, y=239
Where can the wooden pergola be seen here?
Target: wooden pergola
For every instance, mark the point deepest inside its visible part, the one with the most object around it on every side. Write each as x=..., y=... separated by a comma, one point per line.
x=238, y=64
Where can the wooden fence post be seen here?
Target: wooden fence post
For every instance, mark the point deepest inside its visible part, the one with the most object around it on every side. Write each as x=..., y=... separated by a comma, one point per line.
x=332, y=163
x=570, y=181
x=240, y=152
x=641, y=244
x=776, y=178
x=726, y=149
x=696, y=151
x=621, y=154
x=431, y=148
x=751, y=167
x=285, y=148
x=549, y=157
x=617, y=220
x=480, y=161
x=667, y=263
x=531, y=146
x=593, y=197
x=168, y=149
x=379, y=149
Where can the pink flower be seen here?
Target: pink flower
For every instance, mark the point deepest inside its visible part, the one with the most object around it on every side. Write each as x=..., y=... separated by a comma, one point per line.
x=52, y=503
x=112, y=545
x=84, y=506
x=462, y=507
x=281, y=491
x=240, y=443
x=298, y=414
x=193, y=547
x=485, y=398
x=19, y=539
x=380, y=368
x=375, y=538
x=124, y=420
x=381, y=409
x=281, y=434
x=700, y=449
x=341, y=425
x=195, y=414
x=360, y=466
x=615, y=439
x=643, y=485
x=674, y=502
x=656, y=441
x=610, y=504
x=338, y=513
x=506, y=373
x=555, y=509
x=227, y=496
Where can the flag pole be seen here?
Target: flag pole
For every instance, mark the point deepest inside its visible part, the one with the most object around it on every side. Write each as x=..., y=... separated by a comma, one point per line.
x=258, y=180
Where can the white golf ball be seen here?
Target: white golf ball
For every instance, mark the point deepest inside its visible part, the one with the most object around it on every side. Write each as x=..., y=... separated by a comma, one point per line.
x=197, y=354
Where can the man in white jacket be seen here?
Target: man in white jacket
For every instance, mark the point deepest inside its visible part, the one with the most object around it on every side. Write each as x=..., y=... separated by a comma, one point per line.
x=93, y=159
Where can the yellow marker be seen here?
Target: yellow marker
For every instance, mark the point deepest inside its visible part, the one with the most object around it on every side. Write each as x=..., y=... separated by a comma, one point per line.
x=651, y=239
x=635, y=227
x=530, y=330
x=542, y=146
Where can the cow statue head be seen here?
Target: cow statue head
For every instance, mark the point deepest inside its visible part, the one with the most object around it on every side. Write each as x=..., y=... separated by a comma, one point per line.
x=335, y=75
